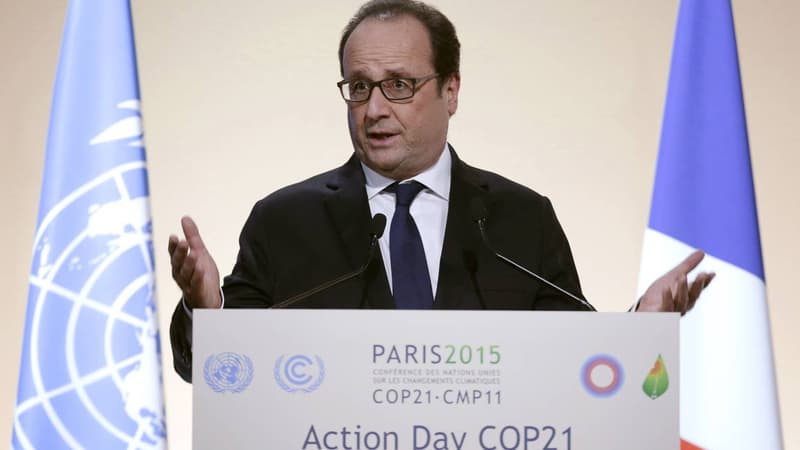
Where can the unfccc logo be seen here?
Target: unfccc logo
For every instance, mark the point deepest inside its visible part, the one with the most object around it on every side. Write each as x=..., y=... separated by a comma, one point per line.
x=299, y=373
x=602, y=375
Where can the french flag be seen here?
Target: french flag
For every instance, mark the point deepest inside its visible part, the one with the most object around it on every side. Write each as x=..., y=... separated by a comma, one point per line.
x=703, y=198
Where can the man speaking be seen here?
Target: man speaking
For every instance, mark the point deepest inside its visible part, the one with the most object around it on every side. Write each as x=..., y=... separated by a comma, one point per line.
x=445, y=220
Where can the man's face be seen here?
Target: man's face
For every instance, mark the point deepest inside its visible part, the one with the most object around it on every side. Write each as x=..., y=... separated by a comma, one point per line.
x=397, y=139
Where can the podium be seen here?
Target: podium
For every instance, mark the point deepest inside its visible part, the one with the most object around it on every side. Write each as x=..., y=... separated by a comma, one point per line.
x=374, y=379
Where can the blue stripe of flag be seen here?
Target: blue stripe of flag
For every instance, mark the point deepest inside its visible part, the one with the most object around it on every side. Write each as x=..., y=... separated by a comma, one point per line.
x=703, y=192
x=96, y=70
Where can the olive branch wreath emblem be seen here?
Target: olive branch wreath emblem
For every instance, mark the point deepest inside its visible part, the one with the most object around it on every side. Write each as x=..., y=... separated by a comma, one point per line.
x=308, y=389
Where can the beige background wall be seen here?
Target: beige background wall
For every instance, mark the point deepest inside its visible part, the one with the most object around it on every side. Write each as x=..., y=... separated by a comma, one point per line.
x=564, y=96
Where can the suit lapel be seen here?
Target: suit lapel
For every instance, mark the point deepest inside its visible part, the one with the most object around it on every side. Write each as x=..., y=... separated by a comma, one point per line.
x=458, y=287
x=348, y=208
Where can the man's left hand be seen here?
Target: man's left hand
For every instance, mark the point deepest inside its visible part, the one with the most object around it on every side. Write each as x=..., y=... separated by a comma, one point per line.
x=672, y=292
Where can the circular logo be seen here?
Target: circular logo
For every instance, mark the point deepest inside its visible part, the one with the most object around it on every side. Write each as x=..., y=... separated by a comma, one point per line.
x=228, y=372
x=602, y=375
x=299, y=373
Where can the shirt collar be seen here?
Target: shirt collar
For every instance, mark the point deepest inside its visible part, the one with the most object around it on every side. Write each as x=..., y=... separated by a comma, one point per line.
x=435, y=178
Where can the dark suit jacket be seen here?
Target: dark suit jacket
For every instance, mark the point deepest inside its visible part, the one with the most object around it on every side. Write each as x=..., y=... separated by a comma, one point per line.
x=308, y=233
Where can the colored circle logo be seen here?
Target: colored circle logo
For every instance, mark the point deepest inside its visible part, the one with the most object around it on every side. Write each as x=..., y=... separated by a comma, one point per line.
x=602, y=376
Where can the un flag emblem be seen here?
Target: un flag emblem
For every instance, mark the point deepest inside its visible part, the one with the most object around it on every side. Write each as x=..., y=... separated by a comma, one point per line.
x=299, y=373
x=228, y=372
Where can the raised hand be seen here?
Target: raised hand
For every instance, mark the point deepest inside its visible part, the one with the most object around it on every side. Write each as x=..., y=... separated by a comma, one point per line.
x=193, y=268
x=672, y=292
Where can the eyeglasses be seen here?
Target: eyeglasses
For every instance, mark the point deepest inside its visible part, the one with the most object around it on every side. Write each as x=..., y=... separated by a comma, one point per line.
x=394, y=89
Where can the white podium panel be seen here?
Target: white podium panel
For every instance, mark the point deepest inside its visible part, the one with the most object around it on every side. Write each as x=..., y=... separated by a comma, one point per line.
x=368, y=379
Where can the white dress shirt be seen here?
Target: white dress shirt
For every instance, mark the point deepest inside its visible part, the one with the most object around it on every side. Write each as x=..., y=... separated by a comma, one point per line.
x=429, y=210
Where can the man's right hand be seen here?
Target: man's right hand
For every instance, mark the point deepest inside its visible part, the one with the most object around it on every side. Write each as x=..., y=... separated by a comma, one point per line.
x=193, y=268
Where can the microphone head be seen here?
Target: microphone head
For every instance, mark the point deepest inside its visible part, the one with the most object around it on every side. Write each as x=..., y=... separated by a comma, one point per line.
x=377, y=225
x=478, y=209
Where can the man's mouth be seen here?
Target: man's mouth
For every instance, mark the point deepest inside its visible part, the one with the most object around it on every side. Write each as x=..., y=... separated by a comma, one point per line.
x=381, y=138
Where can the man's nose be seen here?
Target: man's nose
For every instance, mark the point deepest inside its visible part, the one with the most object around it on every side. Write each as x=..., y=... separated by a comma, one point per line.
x=377, y=105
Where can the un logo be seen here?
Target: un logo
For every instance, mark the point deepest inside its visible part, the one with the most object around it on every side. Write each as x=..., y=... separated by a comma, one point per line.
x=228, y=372
x=91, y=374
x=299, y=373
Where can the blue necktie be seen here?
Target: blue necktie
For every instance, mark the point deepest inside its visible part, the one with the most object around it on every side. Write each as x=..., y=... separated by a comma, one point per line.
x=411, y=282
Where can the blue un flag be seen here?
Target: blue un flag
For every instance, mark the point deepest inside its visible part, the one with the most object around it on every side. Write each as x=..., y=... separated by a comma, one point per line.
x=90, y=375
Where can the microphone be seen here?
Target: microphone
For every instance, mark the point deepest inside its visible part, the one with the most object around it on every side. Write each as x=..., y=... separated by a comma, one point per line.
x=376, y=227
x=479, y=214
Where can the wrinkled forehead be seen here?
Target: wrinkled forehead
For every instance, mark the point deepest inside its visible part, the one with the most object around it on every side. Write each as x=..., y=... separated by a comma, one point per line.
x=388, y=45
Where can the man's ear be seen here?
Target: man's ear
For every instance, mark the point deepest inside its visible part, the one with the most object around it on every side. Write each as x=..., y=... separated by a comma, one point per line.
x=451, y=87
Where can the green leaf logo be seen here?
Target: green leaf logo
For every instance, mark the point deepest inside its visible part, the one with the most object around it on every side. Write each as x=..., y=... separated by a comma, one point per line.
x=657, y=380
